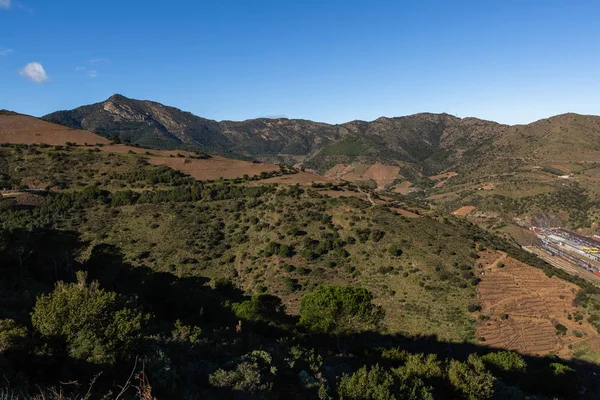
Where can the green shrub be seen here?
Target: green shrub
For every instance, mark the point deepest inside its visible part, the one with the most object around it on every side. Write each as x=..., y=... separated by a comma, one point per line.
x=339, y=310
x=395, y=250
x=367, y=384
x=508, y=361
x=98, y=326
x=560, y=329
x=262, y=307
x=471, y=378
x=251, y=373
x=12, y=335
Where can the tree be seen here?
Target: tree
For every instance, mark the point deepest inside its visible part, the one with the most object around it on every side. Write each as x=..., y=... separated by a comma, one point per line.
x=12, y=335
x=365, y=384
x=377, y=383
x=98, y=326
x=339, y=310
x=508, y=361
x=472, y=379
x=262, y=307
x=253, y=372
x=395, y=250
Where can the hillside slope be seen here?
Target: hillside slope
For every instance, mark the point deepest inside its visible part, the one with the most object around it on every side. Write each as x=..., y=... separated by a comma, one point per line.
x=426, y=140
x=203, y=284
x=143, y=122
x=520, y=171
x=428, y=143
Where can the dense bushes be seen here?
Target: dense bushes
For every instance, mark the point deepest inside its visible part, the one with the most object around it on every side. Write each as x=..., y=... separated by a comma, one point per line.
x=339, y=310
x=97, y=326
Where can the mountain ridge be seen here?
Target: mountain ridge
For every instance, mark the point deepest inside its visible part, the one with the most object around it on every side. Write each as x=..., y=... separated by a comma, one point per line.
x=438, y=157
x=152, y=124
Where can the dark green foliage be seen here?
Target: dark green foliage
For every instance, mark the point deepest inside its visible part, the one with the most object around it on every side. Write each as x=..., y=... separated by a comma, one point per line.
x=395, y=250
x=507, y=361
x=561, y=329
x=471, y=378
x=339, y=310
x=97, y=326
x=252, y=373
x=262, y=307
x=367, y=384
x=474, y=307
x=349, y=148
x=12, y=335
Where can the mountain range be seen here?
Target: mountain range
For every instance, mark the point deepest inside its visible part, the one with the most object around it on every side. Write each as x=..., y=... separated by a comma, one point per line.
x=437, y=157
x=431, y=143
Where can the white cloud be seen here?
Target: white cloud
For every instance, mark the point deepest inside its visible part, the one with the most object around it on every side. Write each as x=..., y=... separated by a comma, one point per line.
x=35, y=72
x=5, y=4
x=4, y=51
x=92, y=73
x=98, y=60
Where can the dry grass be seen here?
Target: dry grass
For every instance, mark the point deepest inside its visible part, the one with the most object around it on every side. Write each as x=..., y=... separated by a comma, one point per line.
x=22, y=129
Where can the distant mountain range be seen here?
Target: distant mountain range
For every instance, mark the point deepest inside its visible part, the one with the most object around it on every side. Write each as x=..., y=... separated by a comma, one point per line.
x=427, y=140
x=419, y=145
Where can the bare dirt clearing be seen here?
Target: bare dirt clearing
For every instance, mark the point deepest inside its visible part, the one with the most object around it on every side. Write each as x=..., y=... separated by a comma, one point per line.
x=446, y=175
x=404, y=188
x=463, y=211
x=300, y=178
x=22, y=129
x=406, y=213
x=382, y=174
x=521, y=308
x=214, y=167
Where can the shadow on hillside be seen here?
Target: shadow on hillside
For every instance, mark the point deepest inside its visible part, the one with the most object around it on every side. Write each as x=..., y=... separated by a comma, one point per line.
x=539, y=378
x=167, y=296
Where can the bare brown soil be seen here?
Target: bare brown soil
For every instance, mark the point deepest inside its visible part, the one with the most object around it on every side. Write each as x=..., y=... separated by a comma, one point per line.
x=124, y=149
x=344, y=193
x=406, y=213
x=446, y=175
x=382, y=174
x=465, y=210
x=22, y=129
x=524, y=306
x=523, y=237
x=336, y=171
x=213, y=168
x=300, y=178
x=403, y=187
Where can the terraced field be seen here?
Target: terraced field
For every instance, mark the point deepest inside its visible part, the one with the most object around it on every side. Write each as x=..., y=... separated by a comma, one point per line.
x=523, y=309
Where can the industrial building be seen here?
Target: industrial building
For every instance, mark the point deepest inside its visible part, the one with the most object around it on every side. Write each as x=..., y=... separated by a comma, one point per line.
x=580, y=250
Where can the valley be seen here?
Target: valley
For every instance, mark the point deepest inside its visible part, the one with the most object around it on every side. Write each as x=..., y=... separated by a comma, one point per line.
x=201, y=237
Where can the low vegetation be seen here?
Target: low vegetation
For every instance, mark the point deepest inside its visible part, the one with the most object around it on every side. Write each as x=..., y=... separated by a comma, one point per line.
x=229, y=290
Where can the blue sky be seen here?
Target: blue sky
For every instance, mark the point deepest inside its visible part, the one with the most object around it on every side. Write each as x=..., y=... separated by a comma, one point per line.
x=512, y=61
